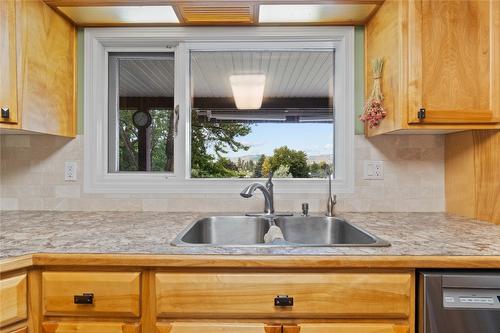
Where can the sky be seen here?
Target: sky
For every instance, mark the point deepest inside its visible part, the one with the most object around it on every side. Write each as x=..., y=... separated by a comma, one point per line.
x=313, y=139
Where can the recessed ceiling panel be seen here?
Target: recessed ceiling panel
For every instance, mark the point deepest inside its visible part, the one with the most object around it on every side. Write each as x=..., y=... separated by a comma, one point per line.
x=314, y=13
x=120, y=14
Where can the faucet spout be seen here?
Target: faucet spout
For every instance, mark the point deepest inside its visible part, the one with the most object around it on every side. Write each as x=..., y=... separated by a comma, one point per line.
x=249, y=191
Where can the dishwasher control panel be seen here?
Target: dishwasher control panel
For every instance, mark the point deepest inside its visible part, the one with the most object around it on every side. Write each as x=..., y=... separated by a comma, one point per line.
x=471, y=298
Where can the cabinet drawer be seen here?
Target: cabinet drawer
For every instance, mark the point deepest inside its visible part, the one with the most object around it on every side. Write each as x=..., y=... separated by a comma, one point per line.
x=346, y=328
x=89, y=327
x=13, y=298
x=252, y=295
x=116, y=294
x=216, y=327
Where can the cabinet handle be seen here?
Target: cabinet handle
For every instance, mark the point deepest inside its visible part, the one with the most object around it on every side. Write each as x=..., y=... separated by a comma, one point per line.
x=85, y=298
x=283, y=300
x=5, y=112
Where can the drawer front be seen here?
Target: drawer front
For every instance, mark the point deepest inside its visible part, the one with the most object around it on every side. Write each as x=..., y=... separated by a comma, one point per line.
x=13, y=300
x=315, y=295
x=216, y=327
x=346, y=328
x=90, y=327
x=20, y=330
x=113, y=294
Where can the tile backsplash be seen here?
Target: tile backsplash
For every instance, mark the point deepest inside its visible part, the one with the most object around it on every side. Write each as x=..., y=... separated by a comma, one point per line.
x=32, y=178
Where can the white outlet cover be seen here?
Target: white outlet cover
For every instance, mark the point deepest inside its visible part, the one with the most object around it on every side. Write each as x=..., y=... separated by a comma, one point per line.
x=373, y=170
x=70, y=170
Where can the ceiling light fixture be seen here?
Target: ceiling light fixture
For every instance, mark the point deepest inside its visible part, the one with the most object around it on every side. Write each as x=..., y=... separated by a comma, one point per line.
x=248, y=90
x=314, y=13
x=120, y=14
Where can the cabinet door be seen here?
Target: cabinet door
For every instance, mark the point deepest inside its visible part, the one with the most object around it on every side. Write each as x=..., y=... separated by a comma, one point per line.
x=13, y=296
x=346, y=328
x=8, y=78
x=90, y=327
x=454, y=61
x=215, y=327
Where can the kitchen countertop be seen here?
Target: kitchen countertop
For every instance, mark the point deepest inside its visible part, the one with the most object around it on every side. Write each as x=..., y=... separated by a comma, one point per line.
x=410, y=234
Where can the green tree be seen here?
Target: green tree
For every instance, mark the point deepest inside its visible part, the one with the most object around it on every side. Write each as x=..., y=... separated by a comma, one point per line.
x=221, y=137
x=296, y=160
x=257, y=173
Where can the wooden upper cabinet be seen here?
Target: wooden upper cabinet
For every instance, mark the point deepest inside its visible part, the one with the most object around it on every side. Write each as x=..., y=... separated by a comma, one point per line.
x=38, y=49
x=440, y=56
x=8, y=89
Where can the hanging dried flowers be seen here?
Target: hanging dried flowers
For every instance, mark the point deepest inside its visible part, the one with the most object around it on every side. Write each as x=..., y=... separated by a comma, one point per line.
x=374, y=112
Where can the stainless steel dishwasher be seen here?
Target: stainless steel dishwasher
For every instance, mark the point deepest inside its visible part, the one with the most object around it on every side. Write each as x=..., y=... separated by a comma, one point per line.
x=457, y=302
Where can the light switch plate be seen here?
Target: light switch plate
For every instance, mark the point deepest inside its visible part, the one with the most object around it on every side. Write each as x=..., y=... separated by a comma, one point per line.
x=70, y=171
x=373, y=170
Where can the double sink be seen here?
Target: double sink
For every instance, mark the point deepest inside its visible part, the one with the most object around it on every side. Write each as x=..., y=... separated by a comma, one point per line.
x=227, y=231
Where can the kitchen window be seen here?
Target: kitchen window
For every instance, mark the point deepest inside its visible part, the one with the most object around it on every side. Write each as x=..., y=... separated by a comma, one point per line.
x=186, y=110
x=248, y=107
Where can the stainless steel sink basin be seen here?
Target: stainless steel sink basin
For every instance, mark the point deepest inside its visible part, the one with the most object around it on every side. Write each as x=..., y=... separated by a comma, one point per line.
x=226, y=231
x=325, y=231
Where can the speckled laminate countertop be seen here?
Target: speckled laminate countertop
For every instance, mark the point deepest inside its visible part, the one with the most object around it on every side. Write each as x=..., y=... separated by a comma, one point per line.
x=411, y=234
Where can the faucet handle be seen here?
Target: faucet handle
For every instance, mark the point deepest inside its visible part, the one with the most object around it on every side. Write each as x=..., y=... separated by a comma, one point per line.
x=269, y=182
x=305, y=209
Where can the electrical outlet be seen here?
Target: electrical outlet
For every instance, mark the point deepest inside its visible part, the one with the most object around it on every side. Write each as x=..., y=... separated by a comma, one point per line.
x=374, y=170
x=70, y=171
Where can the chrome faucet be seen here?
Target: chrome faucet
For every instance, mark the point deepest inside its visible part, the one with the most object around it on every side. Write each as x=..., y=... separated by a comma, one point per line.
x=267, y=191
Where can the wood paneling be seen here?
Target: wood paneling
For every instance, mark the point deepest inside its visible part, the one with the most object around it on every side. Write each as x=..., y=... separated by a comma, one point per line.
x=460, y=192
x=346, y=328
x=322, y=295
x=90, y=327
x=13, y=297
x=115, y=293
x=8, y=88
x=216, y=327
x=45, y=69
x=383, y=39
x=472, y=175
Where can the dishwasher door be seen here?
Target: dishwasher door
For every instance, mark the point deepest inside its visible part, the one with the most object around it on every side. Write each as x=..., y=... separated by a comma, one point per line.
x=452, y=302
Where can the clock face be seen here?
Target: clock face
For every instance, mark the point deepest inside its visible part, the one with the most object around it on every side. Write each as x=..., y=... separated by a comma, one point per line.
x=141, y=119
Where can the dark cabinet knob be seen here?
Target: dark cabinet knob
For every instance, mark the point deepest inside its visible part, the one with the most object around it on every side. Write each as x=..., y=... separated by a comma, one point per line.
x=283, y=300
x=5, y=112
x=85, y=298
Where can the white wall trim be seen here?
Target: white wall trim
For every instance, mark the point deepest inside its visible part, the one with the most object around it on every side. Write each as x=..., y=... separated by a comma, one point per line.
x=99, y=41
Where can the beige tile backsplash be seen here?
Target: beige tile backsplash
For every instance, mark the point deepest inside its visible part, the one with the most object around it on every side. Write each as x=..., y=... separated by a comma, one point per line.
x=32, y=178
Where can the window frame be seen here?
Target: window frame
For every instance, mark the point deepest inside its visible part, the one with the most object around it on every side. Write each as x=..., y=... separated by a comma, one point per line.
x=98, y=42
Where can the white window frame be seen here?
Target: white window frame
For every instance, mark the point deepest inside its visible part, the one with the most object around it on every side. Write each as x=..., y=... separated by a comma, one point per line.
x=98, y=42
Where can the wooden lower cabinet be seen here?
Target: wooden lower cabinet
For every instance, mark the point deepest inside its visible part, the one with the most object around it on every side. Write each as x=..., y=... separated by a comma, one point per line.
x=13, y=297
x=90, y=327
x=346, y=328
x=217, y=327
x=18, y=330
x=219, y=301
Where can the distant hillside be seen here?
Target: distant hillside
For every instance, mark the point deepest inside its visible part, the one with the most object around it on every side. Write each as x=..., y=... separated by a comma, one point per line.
x=310, y=159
